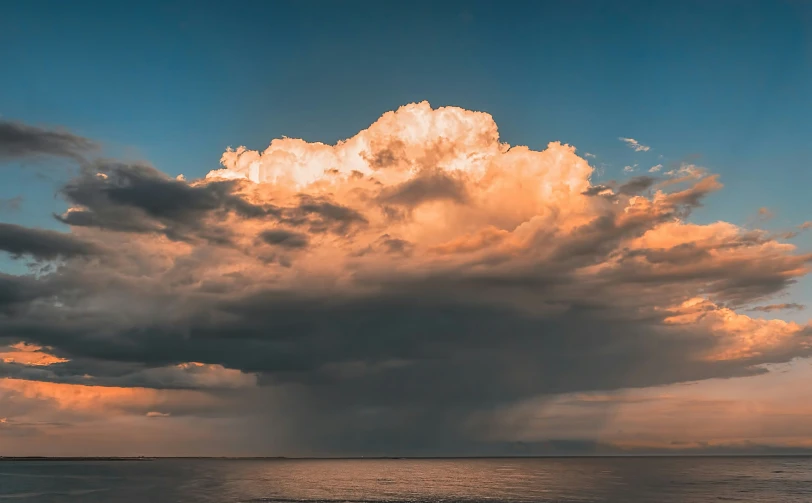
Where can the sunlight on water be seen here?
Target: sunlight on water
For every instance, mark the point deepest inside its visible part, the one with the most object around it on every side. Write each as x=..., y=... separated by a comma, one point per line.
x=623, y=480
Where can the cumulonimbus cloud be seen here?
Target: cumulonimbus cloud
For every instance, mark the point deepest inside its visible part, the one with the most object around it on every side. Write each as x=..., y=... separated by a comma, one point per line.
x=400, y=280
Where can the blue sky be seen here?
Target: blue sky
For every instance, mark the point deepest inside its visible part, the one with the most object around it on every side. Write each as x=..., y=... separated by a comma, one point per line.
x=721, y=83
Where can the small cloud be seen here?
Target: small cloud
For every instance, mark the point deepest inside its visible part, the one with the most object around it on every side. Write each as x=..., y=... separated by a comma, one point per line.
x=284, y=238
x=195, y=375
x=636, y=185
x=587, y=154
x=629, y=169
x=11, y=204
x=29, y=355
x=158, y=414
x=785, y=235
x=687, y=170
x=763, y=215
x=635, y=145
x=779, y=307
x=655, y=169
x=806, y=225
x=26, y=347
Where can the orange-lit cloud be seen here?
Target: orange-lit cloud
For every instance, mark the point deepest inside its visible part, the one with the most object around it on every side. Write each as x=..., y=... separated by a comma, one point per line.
x=28, y=354
x=98, y=399
x=422, y=268
x=742, y=335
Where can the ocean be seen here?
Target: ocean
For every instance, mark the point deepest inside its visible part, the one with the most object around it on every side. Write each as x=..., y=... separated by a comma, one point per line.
x=621, y=480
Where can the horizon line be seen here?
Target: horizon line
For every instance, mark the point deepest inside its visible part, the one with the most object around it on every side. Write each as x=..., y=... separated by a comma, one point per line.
x=352, y=458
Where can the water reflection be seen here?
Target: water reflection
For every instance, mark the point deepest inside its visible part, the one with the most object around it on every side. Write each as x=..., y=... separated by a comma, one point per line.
x=667, y=480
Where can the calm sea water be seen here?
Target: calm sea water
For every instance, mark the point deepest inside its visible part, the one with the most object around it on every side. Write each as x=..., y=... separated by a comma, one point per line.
x=622, y=480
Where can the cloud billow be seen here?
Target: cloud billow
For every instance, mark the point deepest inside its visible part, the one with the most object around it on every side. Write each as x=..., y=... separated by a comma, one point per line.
x=396, y=283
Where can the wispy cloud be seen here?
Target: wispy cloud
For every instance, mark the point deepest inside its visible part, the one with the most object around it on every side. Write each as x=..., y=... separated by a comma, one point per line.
x=11, y=204
x=779, y=307
x=587, y=154
x=635, y=145
x=629, y=169
x=19, y=141
x=687, y=171
x=765, y=213
x=655, y=169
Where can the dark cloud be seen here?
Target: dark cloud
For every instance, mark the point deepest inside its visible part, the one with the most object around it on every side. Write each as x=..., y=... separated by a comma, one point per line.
x=779, y=307
x=41, y=243
x=432, y=186
x=328, y=210
x=636, y=185
x=139, y=198
x=396, y=245
x=130, y=375
x=631, y=187
x=17, y=290
x=390, y=155
x=320, y=214
x=681, y=254
x=693, y=196
x=398, y=351
x=596, y=190
x=284, y=238
x=18, y=141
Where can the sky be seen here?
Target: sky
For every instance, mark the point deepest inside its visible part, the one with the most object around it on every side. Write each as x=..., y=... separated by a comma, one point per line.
x=423, y=228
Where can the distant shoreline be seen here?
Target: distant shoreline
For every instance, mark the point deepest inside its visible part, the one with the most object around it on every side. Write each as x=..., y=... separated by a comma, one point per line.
x=383, y=458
